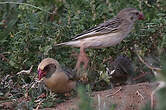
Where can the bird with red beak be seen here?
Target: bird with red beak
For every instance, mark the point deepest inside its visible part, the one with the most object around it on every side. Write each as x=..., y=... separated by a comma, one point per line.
x=54, y=77
x=109, y=33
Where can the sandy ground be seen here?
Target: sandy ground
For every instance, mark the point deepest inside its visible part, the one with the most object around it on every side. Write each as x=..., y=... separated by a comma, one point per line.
x=128, y=97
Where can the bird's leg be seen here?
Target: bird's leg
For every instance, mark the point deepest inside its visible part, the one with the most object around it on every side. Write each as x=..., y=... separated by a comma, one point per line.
x=82, y=58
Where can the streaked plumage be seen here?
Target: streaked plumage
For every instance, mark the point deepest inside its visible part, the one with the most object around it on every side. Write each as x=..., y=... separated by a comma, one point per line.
x=56, y=78
x=105, y=34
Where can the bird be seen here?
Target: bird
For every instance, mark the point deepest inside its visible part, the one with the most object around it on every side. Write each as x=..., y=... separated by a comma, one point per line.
x=106, y=34
x=120, y=71
x=56, y=78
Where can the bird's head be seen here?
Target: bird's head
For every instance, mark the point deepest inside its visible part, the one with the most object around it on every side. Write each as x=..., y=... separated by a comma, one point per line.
x=47, y=67
x=131, y=14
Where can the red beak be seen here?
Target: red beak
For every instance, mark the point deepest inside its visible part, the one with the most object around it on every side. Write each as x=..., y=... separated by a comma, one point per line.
x=141, y=16
x=40, y=74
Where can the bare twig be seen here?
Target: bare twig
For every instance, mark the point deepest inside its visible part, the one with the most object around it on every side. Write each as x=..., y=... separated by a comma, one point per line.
x=148, y=65
x=139, y=94
x=107, y=59
x=140, y=76
x=38, y=105
x=26, y=4
x=154, y=69
x=2, y=56
x=114, y=92
x=25, y=71
x=99, y=101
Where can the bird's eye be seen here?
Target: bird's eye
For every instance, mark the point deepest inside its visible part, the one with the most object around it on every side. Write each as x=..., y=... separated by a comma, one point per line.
x=132, y=18
x=137, y=13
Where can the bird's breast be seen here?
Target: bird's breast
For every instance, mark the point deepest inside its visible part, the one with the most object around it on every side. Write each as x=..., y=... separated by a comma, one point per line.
x=59, y=83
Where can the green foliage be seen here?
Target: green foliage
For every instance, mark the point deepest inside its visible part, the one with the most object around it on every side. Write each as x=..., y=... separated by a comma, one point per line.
x=85, y=101
x=29, y=34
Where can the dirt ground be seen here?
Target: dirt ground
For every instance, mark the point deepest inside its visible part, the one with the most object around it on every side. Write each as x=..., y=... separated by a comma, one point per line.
x=129, y=97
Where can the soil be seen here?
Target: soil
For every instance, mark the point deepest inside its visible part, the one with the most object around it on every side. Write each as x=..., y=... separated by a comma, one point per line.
x=128, y=97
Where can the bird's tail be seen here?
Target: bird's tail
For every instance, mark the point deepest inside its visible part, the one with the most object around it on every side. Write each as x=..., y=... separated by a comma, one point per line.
x=61, y=44
x=70, y=43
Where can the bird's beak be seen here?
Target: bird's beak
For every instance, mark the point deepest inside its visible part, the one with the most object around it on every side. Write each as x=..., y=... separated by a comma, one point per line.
x=141, y=16
x=40, y=73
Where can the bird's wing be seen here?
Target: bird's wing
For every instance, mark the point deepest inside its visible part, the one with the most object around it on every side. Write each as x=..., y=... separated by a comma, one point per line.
x=69, y=73
x=104, y=28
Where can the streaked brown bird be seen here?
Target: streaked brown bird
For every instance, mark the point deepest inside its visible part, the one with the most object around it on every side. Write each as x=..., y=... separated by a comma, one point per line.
x=105, y=34
x=55, y=78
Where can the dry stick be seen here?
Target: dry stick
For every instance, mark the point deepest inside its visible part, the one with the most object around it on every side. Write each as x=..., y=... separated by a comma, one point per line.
x=107, y=59
x=28, y=72
x=99, y=101
x=25, y=71
x=139, y=94
x=26, y=4
x=2, y=56
x=148, y=65
x=140, y=76
x=114, y=92
x=37, y=108
x=155, y=70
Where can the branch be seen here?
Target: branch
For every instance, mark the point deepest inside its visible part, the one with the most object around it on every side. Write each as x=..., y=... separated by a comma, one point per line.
x=148, y=65
x=26, y=4
x=154, y=69
x=25, y=71
x=2, y=56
